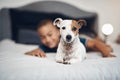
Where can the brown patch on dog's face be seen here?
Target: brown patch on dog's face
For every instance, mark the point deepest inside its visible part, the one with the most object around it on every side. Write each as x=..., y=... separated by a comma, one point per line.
x=75, y=27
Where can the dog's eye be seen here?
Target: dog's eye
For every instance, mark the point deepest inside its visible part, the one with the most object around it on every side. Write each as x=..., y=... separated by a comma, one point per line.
x=63, y=28
x=74, y=29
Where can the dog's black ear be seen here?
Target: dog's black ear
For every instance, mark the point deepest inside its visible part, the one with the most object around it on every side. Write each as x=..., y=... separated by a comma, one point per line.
x=82, y=23
x=57, y=22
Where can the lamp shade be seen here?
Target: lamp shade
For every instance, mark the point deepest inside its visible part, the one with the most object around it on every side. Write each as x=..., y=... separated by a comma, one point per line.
x=107, y=29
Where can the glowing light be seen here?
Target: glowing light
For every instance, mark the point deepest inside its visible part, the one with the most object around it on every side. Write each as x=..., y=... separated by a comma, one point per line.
x=107, y=29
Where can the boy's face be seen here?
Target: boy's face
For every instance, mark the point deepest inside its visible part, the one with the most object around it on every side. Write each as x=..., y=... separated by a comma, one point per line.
x=49, y=35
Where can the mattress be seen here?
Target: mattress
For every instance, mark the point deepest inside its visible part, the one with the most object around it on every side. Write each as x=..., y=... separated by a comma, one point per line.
x=14, y=65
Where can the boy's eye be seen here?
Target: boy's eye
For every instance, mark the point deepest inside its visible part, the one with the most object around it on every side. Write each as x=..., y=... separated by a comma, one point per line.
x=74, y=29
x=63, y=28
x=50, y=34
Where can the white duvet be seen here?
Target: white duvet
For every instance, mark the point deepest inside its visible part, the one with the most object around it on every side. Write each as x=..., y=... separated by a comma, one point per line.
x=14, y=65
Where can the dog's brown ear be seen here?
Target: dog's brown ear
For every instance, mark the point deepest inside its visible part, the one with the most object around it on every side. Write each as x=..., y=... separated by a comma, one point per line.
x=82, y=23
x=57, y=22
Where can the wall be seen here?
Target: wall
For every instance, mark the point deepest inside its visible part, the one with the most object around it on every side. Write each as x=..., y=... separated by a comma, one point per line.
x=108, y=10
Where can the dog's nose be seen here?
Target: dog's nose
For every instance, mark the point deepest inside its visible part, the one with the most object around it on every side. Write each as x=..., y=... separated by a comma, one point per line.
x=68, y=37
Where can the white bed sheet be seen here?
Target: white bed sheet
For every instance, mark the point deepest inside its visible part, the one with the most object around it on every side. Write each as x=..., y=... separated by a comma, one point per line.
x=14, y=65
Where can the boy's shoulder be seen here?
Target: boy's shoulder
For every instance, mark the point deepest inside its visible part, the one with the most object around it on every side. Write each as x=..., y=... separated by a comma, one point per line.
x=47, y=49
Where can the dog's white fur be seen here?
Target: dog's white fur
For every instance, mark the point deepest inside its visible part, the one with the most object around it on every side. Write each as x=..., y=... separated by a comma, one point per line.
x=72, y=51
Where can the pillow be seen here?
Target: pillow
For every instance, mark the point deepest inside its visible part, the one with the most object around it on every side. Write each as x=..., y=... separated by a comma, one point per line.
x=28, y=36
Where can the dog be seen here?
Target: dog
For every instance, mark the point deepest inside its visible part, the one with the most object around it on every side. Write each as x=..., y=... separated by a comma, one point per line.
x=70, y=49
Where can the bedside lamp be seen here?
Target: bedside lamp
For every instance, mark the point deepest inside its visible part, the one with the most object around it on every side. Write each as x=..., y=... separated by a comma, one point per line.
x=107, y=29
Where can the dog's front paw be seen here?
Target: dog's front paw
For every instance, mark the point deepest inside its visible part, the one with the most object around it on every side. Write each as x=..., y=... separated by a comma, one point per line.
x=71, y=61
x=65, y=62
x=59, y=60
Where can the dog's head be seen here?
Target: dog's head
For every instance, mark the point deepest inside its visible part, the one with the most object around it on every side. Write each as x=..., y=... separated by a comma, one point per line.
x=69, y=29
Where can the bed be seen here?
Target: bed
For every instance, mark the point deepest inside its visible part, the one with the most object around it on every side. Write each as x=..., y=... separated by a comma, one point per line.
x=14, y=65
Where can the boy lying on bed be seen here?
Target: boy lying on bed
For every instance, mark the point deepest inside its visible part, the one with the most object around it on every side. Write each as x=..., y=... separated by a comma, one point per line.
x=49, y=36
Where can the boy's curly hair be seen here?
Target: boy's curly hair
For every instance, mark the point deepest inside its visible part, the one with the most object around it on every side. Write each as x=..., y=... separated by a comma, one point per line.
x=44, y=22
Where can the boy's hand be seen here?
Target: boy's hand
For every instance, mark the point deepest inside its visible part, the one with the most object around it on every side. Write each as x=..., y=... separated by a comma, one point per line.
x=110, y=55
x=37, y=53
x=109, y=50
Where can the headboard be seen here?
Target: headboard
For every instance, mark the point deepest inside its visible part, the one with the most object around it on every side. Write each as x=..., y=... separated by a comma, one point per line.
x=24, y=20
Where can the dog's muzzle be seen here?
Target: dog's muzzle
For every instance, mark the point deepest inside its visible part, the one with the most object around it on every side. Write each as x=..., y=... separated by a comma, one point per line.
x=68, y=38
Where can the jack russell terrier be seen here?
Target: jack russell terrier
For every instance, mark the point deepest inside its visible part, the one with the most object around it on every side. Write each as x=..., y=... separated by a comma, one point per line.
x=70, y=49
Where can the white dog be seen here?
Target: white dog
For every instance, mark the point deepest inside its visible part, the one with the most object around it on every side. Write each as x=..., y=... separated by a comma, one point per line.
x=70, y=49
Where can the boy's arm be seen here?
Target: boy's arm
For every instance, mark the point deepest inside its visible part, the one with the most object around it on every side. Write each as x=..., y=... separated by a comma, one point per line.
x=100, y=46
x=37, y=52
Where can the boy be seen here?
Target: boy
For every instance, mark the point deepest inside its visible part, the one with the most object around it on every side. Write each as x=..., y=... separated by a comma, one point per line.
x=50, y=36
